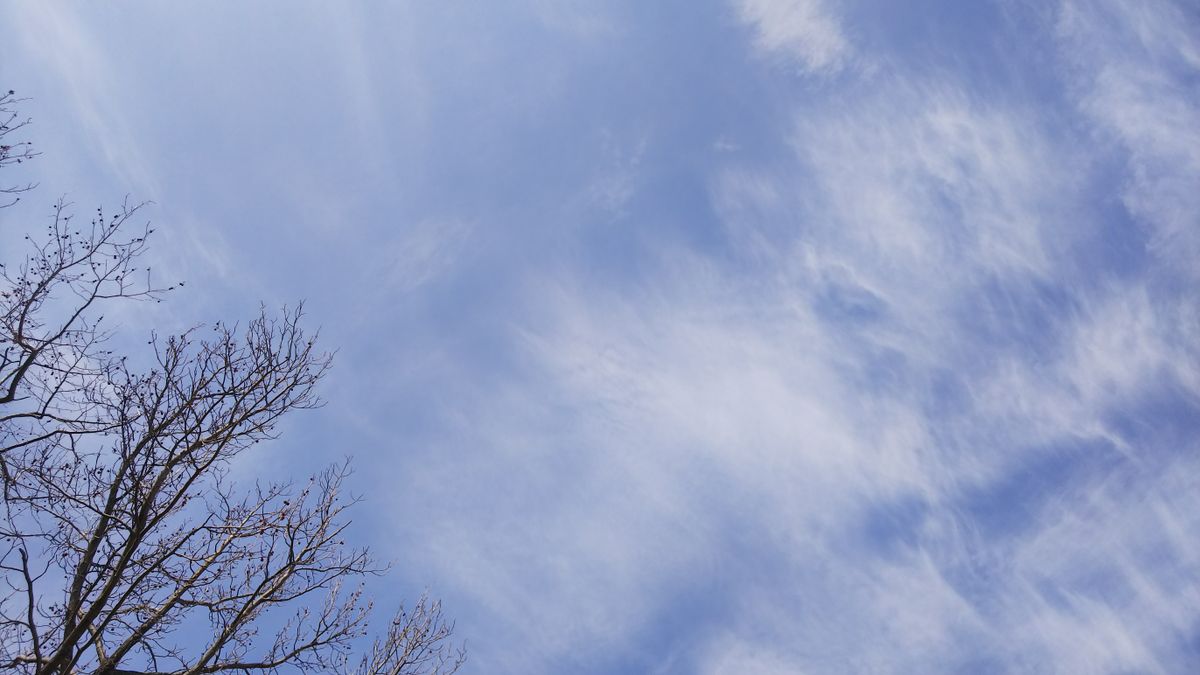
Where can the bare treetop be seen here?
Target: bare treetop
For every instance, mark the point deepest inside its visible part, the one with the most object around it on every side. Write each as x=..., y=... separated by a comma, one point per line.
x=127, y=545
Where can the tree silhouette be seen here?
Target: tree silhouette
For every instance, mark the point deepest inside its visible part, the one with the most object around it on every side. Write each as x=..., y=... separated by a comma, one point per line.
x=128, y=548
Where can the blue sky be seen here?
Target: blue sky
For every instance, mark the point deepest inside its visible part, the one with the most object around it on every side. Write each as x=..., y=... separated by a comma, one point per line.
x=756, y=336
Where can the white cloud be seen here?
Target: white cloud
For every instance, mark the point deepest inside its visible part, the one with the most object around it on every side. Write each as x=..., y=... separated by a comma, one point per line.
x=1134, y=66
x=736, y=425
x=729, y=427
x=803, y=31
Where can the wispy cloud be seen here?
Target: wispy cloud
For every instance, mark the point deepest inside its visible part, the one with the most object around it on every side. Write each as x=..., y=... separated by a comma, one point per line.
x=882, y=431
x=804, y=32
x=1133, y=67
x=70, y=49
x=911, y=386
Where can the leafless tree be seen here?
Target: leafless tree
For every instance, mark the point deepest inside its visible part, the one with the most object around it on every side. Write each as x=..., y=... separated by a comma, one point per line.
x=128, y=548
x=12, y=151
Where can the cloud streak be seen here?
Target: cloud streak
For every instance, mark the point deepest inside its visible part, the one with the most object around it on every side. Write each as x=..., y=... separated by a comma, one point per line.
x=803, y=32
x=886, y=433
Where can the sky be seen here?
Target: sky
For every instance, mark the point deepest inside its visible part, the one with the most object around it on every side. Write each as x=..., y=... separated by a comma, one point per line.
x=706, y=336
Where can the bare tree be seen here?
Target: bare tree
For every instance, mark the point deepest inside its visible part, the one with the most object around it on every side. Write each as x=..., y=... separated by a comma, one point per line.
x=128, y=547
x=12, y=152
